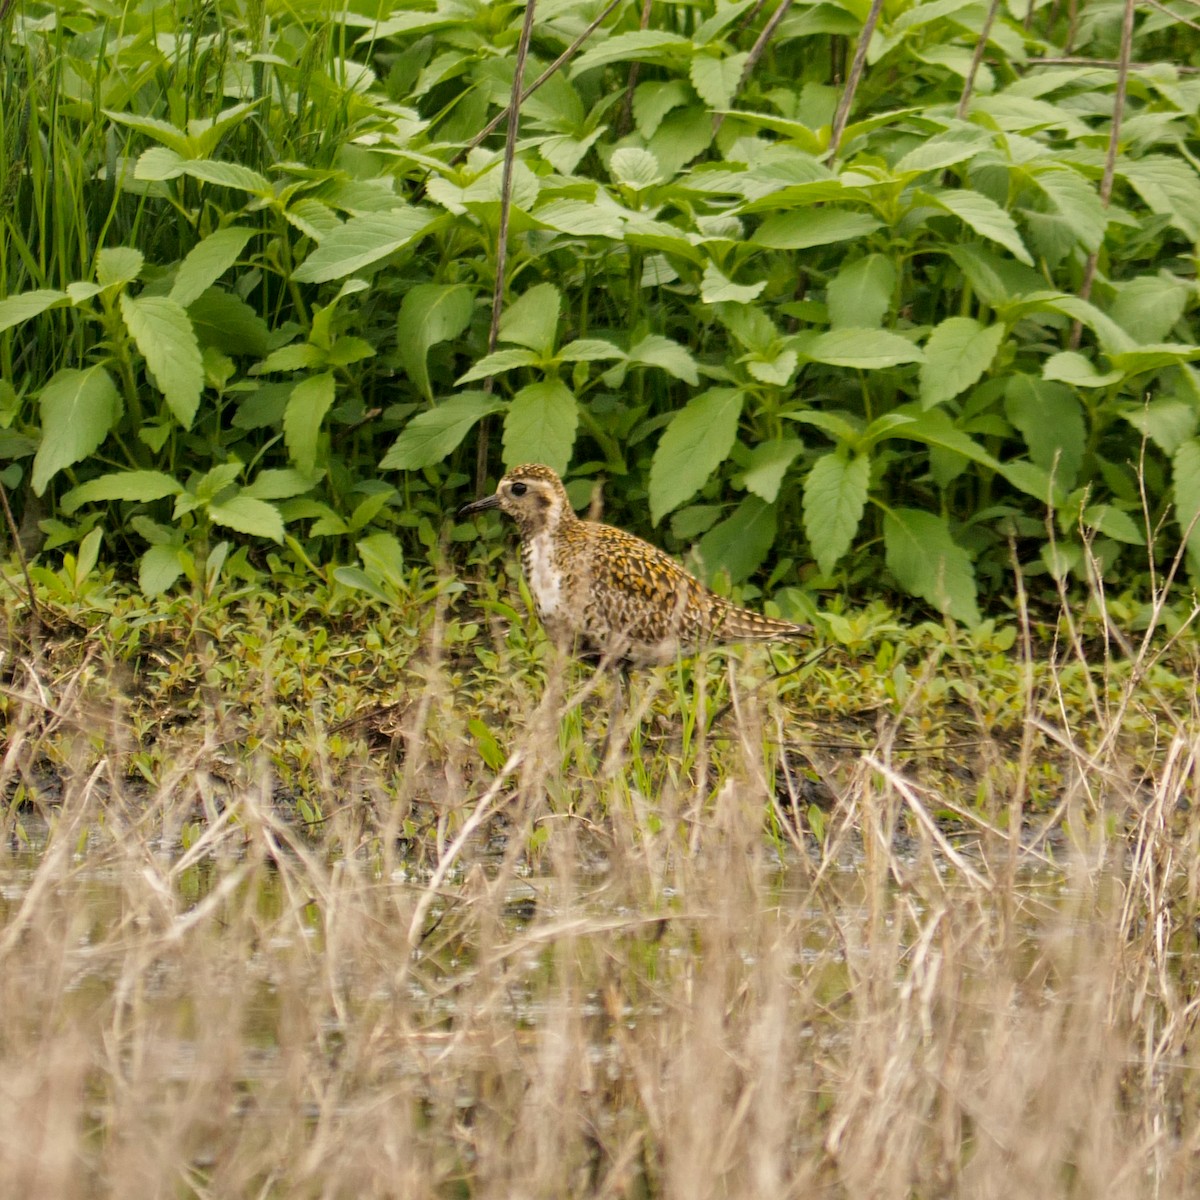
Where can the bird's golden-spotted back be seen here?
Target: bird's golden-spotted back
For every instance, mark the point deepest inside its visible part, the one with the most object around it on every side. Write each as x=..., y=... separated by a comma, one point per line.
x=615, y=592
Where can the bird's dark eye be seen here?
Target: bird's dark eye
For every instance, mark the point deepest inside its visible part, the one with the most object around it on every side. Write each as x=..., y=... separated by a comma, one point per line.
x=519, y=489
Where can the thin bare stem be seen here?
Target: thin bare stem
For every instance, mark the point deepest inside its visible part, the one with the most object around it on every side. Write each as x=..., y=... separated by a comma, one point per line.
x=977, y=59
x=627, y=107
x=856, y=72
x=1110, y=160
x=506, y=181
x=756, y=52
x=557, y=65
x=1106, y=64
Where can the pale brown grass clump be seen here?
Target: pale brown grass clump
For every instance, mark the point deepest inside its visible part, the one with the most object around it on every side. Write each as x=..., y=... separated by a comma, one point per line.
x=562, y=976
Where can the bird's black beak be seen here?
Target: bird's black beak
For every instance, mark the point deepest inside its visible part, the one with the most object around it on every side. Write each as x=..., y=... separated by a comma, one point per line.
x=492, y=501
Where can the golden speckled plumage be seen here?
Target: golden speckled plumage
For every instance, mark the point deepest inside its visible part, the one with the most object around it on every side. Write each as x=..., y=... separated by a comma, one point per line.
x=621, y=596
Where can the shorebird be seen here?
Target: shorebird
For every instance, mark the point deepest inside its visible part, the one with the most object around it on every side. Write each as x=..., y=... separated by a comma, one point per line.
x=624, y=599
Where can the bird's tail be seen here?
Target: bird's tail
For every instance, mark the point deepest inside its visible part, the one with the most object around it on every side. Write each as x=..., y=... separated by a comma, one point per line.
x=733, y=624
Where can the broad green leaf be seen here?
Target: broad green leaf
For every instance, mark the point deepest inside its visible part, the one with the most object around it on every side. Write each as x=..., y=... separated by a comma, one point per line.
x=25, y=305
x=835, y=495
x=540, y=426
x=299, y=356
x=696, y=442
x=860, y=295
x=635, y=168
x=361, y=242
x=430, y=313
x=78, y=409
x=589, y=350
x=532, y=320
x=158, y=164
x=1169, y=186
x=929, y=564
x=118, y=264
x=932, y=427
x=227, y=322
x=957, y=354
x=654, y=350
x=1152, y=358
x=774, y=368
x=984, y=216
x=716, y=79
x=1069, y=366
x=122, y=485
x=769, y=463
x=948, y=149
x=639, y=45
x=431, y=436
x=159, y=568
x=206, y=262
x=866, y=349
x=310, y=400
x=716, y=288
x=804, y=227
x=1077, y=201
x=842, y=427
x=498, y=363
x=1168, y=423
x=281, y=484
x=160, y=131
x=247, y=515
x=382, y=557
x=1149, y=307
x=358, y=580
x=654, y=99
x=227, y=174
x=741, y=542
x=164, y=334
x=1185, y=478
x=1114, y=523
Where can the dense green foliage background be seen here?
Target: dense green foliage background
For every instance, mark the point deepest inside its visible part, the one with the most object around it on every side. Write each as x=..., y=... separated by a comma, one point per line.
x=250, y=251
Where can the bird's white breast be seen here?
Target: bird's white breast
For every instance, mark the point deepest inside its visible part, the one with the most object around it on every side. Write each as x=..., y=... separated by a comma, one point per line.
x=543, y=575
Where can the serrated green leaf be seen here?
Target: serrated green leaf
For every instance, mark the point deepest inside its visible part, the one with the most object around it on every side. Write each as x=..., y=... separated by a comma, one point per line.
x=227, y=174
x=430, y=313
x=638, y=45
x=1185, y=480
x=716, y=79
x=299, y=356
x=1069, y=366
x=280, y=484
x=696, y=442
x=160, y=131
x=716, y=288
x=801, y=228
x=985, y=217
x=1114, y=523
x=206, y=262
x=1077, y=200
x=929, y=564
x=654, y=350
x=769, y=463
x=227, y=322
x=1166, y=422
x=532, y=320
x=310, y=400
x=860, y=295
x=25, y=305
x=498, y=363
x=430, y=436
x=866, y=349
x=589, y=350
x=361, y=242
x=835, y=495
x=248, y=515
x=540, y=426
x=118, y=264
x=957, y=354
x=741, y=542
x=159, y=568
x=635, y=168
x=78, y=409
x=1149, y=307
x=164, y=334
x=122, y=485
x=654, y=99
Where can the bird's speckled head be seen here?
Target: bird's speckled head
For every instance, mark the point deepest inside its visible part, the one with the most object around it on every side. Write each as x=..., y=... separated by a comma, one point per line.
x=533, y=495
